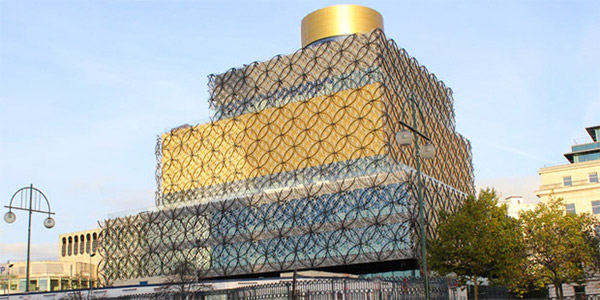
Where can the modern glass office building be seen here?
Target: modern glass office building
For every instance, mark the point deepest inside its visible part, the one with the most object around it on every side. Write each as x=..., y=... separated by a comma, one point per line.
x=300, y=167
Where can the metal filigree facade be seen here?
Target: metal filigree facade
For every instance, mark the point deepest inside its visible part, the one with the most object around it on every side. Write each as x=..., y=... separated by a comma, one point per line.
x=299, y=168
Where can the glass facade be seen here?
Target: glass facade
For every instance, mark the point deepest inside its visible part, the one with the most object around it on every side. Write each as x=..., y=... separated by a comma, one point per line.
x=583, y=147
x=43, y=284
x=586, y=157
x=588, y=151
x=299, y=170
x=596, y=207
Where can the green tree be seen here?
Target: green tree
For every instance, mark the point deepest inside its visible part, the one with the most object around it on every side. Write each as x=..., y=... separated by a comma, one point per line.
x=562, y=247
x=478, y=240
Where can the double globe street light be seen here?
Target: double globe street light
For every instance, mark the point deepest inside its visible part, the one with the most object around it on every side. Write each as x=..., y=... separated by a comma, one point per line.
x=31, y=205
x=427, y=151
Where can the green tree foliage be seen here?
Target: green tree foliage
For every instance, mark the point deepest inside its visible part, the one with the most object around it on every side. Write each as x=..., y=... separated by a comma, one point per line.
x=562, y=247
x=479, y=240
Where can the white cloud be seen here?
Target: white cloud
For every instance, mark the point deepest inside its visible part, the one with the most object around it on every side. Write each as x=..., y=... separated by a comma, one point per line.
x=516, y=151
x=130, y=199
x=513, y=186
x=18, y=252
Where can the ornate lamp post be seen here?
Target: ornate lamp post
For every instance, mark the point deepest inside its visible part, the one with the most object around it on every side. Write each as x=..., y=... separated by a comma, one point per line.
x=31, y=205
x=427, y=151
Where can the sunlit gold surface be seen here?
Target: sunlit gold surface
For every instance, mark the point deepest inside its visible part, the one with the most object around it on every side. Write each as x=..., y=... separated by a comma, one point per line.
x=343, y=126
x=339, y=20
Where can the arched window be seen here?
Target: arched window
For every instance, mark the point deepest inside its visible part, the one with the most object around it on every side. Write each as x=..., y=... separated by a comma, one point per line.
x=94, y=242
x=81, y=244
x=70, y=248
x=64, y=247
x=76, y=245
x=88, y=243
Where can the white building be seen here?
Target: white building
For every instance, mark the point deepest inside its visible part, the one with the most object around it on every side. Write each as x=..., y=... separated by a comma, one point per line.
x=515, y=205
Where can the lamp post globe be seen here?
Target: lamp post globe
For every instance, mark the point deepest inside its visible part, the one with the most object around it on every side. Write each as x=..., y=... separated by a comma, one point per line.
x=427, y=151
x=404, y=137
x=10, y=217
x=49, y=222
x=29, y=193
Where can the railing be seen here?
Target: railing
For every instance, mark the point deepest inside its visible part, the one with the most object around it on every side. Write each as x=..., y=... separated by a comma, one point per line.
x=130, y=212
x=319, y=289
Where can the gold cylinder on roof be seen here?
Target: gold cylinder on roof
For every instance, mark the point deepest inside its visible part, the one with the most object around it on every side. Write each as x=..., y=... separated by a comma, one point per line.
x=339, y=20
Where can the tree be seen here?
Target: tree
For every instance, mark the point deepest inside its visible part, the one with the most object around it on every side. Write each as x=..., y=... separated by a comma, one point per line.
x=184, y=280
x=562, y=247
x=478, y=240
x=183, y=277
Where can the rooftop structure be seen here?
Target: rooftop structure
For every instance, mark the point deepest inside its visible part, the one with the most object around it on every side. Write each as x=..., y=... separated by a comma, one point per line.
x=516, y=205
x=586, y=151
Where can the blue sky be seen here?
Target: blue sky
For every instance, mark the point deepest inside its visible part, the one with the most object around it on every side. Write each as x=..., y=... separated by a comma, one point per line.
x=86, y=87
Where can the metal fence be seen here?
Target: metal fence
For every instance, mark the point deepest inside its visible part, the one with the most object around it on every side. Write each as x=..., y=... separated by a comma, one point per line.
x=318, y=289
x=502, y=293
x=581, y=297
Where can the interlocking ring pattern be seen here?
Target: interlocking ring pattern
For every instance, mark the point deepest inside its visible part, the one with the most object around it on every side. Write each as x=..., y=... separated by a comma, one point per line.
x=299, y=168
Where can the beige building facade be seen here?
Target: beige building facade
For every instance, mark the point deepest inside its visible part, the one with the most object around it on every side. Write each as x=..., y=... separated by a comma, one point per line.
x=79, y=246
x=46, y=276
x=76, y=267
x=577, y=181
x=515, y=205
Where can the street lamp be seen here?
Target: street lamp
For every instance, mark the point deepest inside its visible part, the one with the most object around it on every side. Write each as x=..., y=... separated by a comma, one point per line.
x=90, y=282
x=7, y=281
x=427, y=151
x=35, y=204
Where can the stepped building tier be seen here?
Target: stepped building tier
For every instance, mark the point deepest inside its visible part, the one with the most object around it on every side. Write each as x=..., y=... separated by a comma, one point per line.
x=299, y=169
